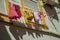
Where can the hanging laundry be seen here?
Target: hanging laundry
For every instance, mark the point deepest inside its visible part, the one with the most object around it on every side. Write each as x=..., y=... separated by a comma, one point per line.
x=22, y=8
x=14, y=11
x=29, y=14
x=24, y=15
x=37, y=15
x=22, y=11
x=17, y=8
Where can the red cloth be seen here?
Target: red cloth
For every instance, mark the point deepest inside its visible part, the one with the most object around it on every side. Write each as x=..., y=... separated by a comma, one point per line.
x=17, y=9
x=14, y=11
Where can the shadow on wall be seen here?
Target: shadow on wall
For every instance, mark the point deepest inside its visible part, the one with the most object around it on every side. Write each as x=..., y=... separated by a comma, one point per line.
x=3, y=33
x=21, y=31
x=51, y=11
x=16, y=31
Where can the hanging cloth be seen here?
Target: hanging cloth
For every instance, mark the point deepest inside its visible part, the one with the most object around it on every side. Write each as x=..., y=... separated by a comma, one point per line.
x=22, y=8
x=29, y=14
x=26, y=12
x=12, y=13
x=13, y=10
x=37, y=15
x=23, y=11
x=17, y=9
x=41, y=12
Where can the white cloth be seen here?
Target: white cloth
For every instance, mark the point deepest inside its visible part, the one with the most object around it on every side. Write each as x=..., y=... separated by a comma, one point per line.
x=36, y=15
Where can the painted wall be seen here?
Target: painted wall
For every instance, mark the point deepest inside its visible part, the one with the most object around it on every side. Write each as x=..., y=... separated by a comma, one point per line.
x=2, y=8
x=16, y=33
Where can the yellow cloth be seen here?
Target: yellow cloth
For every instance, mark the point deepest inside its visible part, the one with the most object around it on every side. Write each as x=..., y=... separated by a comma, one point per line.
x=25, y=11
x=28, y=13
